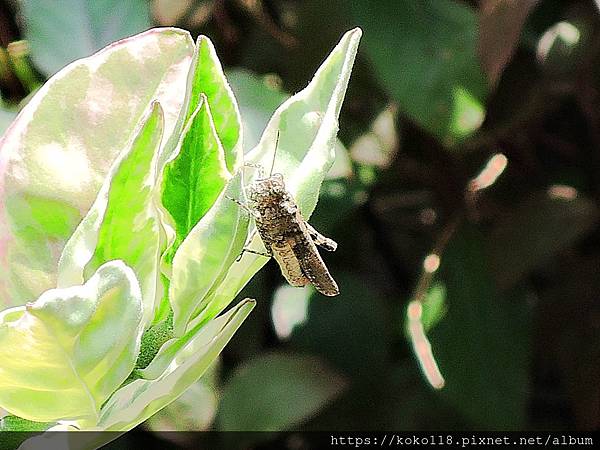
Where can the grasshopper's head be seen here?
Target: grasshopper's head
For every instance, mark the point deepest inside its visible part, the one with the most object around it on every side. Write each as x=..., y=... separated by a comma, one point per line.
x=267, y=191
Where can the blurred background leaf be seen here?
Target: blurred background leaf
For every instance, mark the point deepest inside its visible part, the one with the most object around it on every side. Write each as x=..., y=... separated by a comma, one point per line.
x=483, y=343
x=6, y=118
x=90, y=25
x=438, y=88
x=258, y=98
x=358, y=351
x=536, y=229
x=441, y=65
x=500, y=26
x=250, y=404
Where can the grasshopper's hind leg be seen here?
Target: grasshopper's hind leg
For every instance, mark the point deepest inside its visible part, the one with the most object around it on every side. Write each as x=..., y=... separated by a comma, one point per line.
x=249, y=250
x=251, y=212
x=324, y=242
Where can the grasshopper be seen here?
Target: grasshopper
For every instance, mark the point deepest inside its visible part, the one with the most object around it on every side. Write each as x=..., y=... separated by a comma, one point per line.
x=287, y=236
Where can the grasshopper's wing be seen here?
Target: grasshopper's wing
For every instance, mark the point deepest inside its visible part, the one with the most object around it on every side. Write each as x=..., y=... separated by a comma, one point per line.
x=289, y=264
x=324, y=242
x=311, y=263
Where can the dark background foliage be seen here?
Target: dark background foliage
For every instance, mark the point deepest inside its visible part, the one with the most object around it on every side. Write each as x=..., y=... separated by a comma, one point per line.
x=438, y=89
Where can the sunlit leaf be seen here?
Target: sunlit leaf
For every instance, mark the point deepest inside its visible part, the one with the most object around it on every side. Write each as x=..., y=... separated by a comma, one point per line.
x=63, y=355
x=123, y=221
x=64, y=141
x=209, y=80
x=196, y=174
x=134, y=403
x=206, y=254
x=203, y=277
x=258, y=98
x=206, y=77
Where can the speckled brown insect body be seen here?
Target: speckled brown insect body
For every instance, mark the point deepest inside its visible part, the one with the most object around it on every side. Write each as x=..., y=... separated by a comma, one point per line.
x=288, y=237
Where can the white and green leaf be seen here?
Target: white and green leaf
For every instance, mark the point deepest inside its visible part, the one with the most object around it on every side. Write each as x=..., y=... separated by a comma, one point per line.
x=194, y=177
x=206, y=255
x=134, y=403
x=206, y=78
x=91, y=117
x=123, y=222
x=64, y=354
x=55, y=156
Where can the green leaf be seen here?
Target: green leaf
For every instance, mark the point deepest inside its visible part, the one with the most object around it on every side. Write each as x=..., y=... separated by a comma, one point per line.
x=64, y=142
x=434, y=306
x=136, y=402
x=206, y=77
x=277, y=392
x=433, y=71
x=257, y=100
x=64, y=354
x=209, y=79
x=194, y=177
x=206, y=254
x=534, y=231
x=332, y=332
x=482, y=345
x=123, y=222
x=307, y=124
x=194, y=410
x=14, y=423
x=6, y=117
x=61, y=32
x=14, y=430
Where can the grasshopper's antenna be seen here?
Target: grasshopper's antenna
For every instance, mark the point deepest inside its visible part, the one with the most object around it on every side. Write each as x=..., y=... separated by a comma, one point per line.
x=274, y=154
